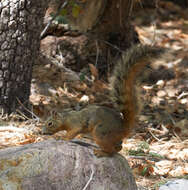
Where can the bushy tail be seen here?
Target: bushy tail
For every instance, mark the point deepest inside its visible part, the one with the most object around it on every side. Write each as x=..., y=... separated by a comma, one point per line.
x=124, y=94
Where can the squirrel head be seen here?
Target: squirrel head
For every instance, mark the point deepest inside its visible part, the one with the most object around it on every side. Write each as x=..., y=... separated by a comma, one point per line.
x=53, y=124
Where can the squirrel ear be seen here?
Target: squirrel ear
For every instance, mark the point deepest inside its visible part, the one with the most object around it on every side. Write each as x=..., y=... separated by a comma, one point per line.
x=53, y=113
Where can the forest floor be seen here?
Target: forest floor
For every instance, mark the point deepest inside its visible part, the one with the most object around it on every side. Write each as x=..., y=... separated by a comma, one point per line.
x=158, y=149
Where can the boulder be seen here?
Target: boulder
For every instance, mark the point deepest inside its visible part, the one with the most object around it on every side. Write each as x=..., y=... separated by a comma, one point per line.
x=62, y=165
x=178, y=184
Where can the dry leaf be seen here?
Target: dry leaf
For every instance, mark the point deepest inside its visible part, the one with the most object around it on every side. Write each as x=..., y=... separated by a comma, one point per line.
x=98, y=86
x=94, y=71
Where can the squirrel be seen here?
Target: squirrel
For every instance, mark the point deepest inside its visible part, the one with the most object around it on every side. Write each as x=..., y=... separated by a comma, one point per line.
x=109, y=126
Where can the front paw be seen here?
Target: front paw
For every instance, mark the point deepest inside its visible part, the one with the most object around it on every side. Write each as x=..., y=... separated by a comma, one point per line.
x=99, y=153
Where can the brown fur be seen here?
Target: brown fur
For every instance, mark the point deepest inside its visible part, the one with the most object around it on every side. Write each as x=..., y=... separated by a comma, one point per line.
x=106, y=126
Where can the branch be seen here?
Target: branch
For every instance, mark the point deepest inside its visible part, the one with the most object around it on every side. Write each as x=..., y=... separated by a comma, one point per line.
x=51, y=20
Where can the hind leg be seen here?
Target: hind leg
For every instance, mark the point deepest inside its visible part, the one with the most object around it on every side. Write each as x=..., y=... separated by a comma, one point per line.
x=107, y=148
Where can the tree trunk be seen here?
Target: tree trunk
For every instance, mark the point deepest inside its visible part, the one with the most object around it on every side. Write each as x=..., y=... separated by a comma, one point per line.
x=20, y=27
x=62, y=165
x=105, y=20
x=107, y=25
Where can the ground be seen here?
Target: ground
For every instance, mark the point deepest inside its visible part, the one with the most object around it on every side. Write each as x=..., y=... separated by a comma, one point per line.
x=158, y=149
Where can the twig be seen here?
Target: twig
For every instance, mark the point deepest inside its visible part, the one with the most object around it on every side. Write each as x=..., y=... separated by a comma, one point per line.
x=97, y=56
x=182, y=94
x=153, y=135
x=148, y=157
x=131, y=8
x=61, y=66
x=115, y=47
x=22, y=114
x=91, y=177
x=37, y=118
x=120, y=13
x=2, y=113
x=176, y=135
x=174, y=123
x=3, y=116
x=171, y=118
x=51, y=20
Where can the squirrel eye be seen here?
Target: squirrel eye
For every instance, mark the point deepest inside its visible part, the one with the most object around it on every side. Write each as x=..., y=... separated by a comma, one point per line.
x=50, y=124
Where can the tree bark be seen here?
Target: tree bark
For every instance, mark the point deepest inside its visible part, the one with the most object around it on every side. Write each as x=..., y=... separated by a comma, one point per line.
x=106, y=20
x=106, y=24
x=20, y=27
x=62, y=165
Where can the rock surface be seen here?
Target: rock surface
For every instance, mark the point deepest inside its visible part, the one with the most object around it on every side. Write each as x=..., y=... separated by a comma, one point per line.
x=62, y=165
x=178, y=184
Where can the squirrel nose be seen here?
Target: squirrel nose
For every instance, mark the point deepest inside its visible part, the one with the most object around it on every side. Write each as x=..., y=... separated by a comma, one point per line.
x=44, y=131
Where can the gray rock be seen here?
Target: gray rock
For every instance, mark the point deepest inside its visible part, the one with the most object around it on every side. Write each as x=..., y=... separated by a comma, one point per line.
x=178, y=184
x=61, y=165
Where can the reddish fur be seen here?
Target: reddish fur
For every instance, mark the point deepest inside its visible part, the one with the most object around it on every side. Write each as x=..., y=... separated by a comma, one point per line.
x=129, y=111
x=113, y=131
